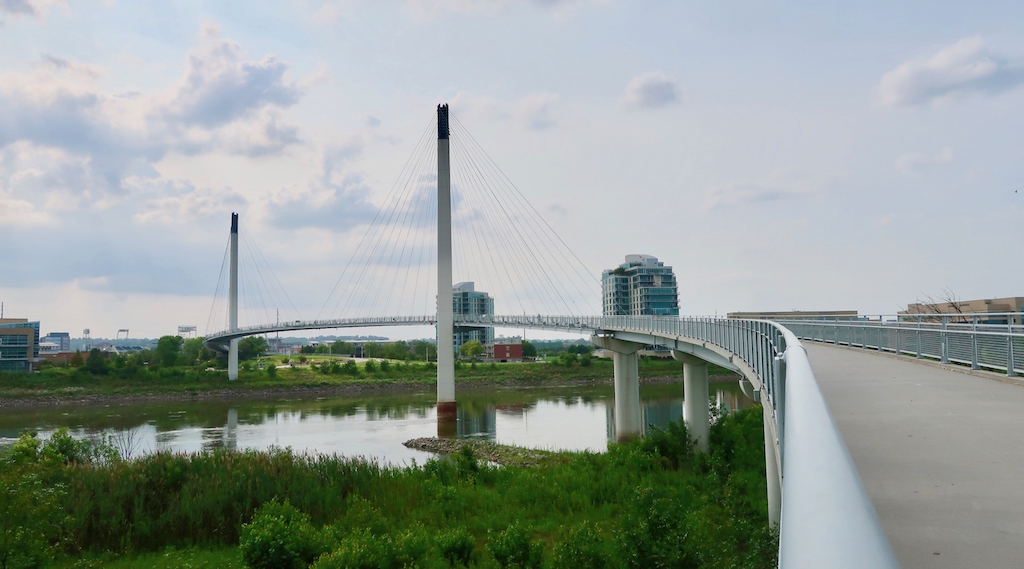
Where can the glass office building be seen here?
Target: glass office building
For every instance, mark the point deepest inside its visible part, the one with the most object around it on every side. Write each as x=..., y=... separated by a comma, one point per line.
x=19, y=344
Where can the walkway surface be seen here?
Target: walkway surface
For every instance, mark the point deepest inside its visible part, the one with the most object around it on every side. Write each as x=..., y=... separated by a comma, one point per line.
x=940, y=453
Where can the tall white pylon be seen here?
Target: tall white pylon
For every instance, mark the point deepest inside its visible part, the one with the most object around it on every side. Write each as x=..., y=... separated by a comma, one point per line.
x=445, y=316
x=233, y=298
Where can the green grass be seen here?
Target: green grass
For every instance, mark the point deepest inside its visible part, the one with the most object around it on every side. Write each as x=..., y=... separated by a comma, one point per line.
x=175, y=381
x=648, y=503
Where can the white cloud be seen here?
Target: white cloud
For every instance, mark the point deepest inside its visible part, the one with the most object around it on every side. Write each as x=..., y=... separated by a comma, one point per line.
x=921, y=162
x=966, y=66
x=179, y=201
x=652, y=90
x=94, y=139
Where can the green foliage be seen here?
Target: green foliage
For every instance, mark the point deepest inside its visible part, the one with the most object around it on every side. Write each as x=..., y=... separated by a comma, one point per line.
x=365, y=550
x=96, y=363
x=456, y=546
x=271, y=370
x=568, y=359
x=350, y=368
x=529, y=350
x=582, y=548
x=652, y=502
x=385, y=366
x=77, y=360
x=285, y=360
x=370, y=366
x=281, y=537
x=586, y=360
x=251, y=347
x=167, y=350
x=514, y=548
x=302, y=359
x=471, y=349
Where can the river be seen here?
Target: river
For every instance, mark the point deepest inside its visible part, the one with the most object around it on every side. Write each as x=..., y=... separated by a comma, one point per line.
x=557, y=418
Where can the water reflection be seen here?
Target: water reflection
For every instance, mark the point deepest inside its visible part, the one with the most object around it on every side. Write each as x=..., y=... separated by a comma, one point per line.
x=555, y=418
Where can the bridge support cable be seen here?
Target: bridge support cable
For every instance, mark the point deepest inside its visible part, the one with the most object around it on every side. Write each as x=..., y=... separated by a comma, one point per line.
x=544, y=242
x=394, y=246
x=211, y=324
x=532, y=273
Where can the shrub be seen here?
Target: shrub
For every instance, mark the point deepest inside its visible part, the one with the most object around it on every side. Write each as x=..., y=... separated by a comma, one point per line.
x=363, y=550
x=371, y=366
x=514, y=548
x=302, y=359
x=456, y=546
x=385, y=366
x=281, y=537
x=582, y=548
x=271, y=370
x=284, y=361
x=350, y=368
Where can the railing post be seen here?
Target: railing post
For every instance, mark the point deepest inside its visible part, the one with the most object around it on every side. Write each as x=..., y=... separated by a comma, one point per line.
x=945, y=340
x=897, y=335
x=919, y=339
x=974, y=343
x=1010, y=371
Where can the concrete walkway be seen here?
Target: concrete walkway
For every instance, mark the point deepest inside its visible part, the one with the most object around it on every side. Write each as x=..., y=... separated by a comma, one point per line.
x=940, y=453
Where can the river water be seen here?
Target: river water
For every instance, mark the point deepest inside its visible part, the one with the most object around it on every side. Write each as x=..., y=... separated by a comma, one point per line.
x=569, y=418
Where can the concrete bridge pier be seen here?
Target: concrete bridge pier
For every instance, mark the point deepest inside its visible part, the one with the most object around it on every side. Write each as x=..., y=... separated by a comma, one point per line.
x=628, y=417
x=695, y=398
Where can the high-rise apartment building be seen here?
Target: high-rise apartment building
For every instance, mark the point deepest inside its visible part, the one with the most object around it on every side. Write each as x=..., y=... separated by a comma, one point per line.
x=466, y=300
x=642, y=286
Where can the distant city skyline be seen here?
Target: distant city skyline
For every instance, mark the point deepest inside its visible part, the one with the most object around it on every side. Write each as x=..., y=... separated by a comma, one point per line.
x=791, y=156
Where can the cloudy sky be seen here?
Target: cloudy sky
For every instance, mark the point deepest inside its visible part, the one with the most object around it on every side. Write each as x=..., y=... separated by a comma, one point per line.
x=779, y=155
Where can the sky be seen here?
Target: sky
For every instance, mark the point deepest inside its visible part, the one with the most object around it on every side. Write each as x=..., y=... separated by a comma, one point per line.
x=778, y=155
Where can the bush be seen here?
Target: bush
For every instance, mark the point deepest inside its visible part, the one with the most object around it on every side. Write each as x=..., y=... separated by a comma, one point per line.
x=284, y=361
x=385, y=366
x=363, y=550
x=456, y=546
x=371, y=366
x=350, y=368
x=271, y=370
x=281, y=537
x=514, y=548
x=582, y=548
x=302, y=359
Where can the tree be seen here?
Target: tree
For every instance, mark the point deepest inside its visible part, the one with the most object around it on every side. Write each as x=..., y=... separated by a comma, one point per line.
x=529, y=350
x=77, y=360
x=251, y=347
x=195, y=351
x=342, y=348
x=96, y=363
x=167, y=350
x=471, y=349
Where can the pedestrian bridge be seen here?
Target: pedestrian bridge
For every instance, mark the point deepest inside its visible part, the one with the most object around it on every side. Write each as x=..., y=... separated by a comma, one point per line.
x=825, y=517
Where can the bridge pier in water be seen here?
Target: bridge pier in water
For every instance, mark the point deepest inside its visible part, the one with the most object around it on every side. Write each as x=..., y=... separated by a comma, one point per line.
x=695, y=398
x=628, y=416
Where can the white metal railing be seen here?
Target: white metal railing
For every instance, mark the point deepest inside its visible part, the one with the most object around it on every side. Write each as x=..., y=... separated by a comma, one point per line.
x=827, y=519
x=991, y=340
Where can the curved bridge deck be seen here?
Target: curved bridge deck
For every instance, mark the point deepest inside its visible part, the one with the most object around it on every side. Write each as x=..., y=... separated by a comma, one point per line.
x=940, y=453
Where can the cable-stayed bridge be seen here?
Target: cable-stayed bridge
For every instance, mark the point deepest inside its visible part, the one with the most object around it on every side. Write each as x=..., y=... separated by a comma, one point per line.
x=482, y=228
